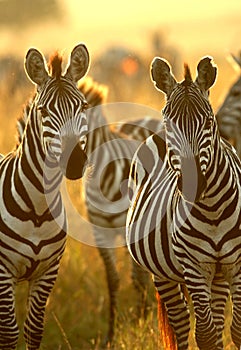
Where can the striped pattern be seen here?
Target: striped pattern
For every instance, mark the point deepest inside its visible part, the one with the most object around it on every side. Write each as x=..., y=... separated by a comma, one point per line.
x=229, y=113
x=183, y=224
x=33, y=221
x=110, y=148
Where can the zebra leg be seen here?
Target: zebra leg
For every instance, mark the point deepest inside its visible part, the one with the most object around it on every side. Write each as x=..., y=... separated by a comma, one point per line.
x=8, y=324
x=112, y=276
x=177, y=310
x=39, y=290
x=235, y=288
x=219, y=296
x=198, y=283
x=140, y=279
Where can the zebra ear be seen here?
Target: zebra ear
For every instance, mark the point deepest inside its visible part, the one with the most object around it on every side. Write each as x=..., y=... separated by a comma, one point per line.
x=79, y=63
x=35, y=67
x=161, y=75
x=206, y=73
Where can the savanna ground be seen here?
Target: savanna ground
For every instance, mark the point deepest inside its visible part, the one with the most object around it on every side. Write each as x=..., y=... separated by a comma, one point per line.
x=77, y=310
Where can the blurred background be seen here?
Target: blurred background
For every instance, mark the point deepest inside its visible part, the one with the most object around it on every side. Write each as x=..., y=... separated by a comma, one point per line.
x=122, y=37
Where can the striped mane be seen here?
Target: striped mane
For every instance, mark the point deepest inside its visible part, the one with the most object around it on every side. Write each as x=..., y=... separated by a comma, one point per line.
x=55, y=65
x=187, y=75
x=94, y=92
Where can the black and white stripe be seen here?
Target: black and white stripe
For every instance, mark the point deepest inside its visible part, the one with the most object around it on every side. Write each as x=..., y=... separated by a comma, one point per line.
x=110, y=148
x=229, y=113
x=33, y=221
x=183, y=224
x=113, y=145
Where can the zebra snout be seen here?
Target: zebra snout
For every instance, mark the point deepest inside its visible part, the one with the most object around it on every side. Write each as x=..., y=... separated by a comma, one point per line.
x=73, y=160
x=192, y=182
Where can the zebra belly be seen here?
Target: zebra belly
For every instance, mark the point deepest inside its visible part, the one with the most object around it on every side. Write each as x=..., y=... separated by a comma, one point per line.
x=159, y=261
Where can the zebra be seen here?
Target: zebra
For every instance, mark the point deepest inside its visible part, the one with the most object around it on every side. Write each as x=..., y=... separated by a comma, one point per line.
x=184, y=216
x=109, y=149
x=32, y=216
x=138, y=129
x=101, y=137
x=229, y=113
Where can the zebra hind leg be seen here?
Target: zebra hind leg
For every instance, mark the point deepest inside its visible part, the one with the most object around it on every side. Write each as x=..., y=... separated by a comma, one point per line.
x=112, y=276
x=39, y=291
x=140, y=279
x=173, y=301
x=8, y=324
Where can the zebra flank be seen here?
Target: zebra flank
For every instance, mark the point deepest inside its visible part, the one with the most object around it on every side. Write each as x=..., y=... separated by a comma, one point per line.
x=33, y=223
x=183, y=224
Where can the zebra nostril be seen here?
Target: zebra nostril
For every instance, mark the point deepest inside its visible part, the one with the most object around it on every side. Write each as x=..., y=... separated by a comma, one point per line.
x=73, y=160
x=82, y=142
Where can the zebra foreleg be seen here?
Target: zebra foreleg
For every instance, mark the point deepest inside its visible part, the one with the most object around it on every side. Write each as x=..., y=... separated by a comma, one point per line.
x=219, y=296
x=177, y=310
x=235, y=288
x=39, y=291
x=112, y=276
x=199, y=288
x=8, y=325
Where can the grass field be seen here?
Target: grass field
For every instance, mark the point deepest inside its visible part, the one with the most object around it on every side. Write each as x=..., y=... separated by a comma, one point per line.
x=76, y=315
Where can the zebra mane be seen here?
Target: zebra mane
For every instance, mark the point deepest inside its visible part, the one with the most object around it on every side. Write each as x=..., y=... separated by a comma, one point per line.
x=187, y=75
x=94, y=92
x=22, y=121
x=55, y=65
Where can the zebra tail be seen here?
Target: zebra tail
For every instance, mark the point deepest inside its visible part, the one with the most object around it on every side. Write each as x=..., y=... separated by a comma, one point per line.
x=167, y=335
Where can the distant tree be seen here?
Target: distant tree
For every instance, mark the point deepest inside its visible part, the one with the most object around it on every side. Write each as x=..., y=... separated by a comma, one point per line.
x=22, y=13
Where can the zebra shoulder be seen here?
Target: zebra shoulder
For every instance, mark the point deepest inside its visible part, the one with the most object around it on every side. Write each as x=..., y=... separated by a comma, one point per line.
x=147, y=156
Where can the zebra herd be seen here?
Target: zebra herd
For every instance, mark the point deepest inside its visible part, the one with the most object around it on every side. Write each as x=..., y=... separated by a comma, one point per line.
x=180, y=208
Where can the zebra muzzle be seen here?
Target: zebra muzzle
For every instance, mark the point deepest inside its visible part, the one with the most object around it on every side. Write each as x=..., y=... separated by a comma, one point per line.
x=192, y=182
x=73, y=161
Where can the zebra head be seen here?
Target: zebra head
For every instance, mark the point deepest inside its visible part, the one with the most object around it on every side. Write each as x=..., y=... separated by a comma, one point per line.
x=189, y=123
x=60, y=108
x=229, y=113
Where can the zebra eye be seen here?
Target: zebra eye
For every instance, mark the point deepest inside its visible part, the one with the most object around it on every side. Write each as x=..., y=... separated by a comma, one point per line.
x=82, y=142
x=209, y=123
x=43, y=111
x=84, y=105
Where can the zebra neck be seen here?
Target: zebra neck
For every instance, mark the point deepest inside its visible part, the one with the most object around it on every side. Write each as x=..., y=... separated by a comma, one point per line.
x=33, y=170
x=223, y=171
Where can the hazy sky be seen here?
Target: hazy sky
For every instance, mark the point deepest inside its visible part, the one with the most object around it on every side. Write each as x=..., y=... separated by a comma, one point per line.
x=189, y=25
